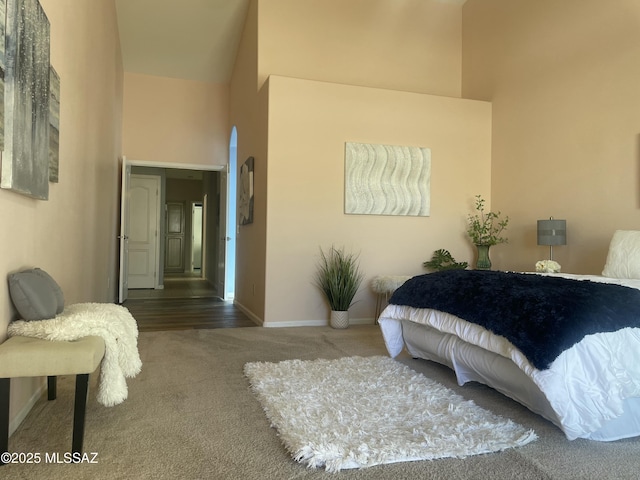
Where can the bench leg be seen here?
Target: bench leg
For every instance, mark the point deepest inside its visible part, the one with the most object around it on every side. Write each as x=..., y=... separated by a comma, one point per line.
x=5, y=390
x=79, y=411
x=52, y=390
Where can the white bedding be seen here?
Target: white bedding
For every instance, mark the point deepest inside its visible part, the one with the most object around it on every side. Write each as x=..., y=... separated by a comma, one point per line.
x=591, y=390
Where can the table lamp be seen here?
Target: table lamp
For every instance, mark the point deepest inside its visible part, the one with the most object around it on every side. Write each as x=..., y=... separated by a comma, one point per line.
x=552, y=232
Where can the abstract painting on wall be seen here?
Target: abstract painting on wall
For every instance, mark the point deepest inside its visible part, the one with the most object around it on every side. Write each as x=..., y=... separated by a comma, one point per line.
x=387, y=180
x=3, y=16
x=54, y=124
x=245, y=192
x=25, y=159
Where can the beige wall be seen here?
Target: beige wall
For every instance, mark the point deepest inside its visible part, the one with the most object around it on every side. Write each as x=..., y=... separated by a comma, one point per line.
x=249, y=116
x=175, y=121
x=73, y=234
x=309, y=123
x=563, y=80
x=411, y=45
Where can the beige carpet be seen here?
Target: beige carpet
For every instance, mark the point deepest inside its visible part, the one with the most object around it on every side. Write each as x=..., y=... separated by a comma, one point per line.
x=191, y=415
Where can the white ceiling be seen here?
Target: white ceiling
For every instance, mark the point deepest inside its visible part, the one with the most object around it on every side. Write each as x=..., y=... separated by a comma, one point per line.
x=189, y=39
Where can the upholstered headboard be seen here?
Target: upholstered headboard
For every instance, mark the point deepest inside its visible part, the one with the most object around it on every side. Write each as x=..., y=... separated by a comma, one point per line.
x=623, y=259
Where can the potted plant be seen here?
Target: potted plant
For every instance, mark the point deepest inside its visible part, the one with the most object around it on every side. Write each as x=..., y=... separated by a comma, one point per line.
x=485, y=229
x=443, y=260
x=339, y=278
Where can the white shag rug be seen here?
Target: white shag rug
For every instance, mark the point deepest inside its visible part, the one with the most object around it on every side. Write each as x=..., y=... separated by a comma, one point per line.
x=113, y=323
x=357, y=412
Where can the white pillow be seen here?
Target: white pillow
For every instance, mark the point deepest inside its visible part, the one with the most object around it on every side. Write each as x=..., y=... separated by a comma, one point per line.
x=623, y=259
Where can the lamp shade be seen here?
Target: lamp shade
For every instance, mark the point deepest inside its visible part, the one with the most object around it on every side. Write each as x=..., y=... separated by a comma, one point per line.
x=552, y=232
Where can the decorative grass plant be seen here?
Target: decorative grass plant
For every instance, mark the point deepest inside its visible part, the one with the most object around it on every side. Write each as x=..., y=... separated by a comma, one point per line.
x=338, y=277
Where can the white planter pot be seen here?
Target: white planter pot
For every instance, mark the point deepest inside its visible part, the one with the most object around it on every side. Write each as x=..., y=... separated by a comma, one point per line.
x=339, y=319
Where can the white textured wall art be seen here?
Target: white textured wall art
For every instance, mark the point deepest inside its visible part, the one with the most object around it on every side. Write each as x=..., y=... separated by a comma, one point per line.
x=387, y=180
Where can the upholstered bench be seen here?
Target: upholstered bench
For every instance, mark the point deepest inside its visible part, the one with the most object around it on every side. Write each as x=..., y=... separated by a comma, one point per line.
x=33, y=357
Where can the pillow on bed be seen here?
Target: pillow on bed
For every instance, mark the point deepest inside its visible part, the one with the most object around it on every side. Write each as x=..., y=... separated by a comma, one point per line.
x=623, y=259
x=35, y=294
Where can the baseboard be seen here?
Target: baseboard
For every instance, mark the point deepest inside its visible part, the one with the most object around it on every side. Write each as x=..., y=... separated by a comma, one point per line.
x=317, y=323
x=24, y=411
x=248, y=313
x=298, y=323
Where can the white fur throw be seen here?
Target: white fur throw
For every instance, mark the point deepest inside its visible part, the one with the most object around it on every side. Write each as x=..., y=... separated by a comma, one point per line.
x=113, y=323
x=388, y=283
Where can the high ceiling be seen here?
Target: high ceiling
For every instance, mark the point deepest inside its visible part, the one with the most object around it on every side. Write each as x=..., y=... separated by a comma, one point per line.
x=188, y=39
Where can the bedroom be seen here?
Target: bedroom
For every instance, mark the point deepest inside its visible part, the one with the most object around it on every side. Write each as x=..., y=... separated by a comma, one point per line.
x=562, y=136
x=456, y=97
x=563, y=142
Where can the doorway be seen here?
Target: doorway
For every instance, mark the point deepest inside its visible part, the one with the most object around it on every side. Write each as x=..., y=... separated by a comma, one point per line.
x=230, y=251
x=214, y=219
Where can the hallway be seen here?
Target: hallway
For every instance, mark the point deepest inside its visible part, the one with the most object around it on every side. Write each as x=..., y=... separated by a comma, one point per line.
x=177, y=285
x=186, y=302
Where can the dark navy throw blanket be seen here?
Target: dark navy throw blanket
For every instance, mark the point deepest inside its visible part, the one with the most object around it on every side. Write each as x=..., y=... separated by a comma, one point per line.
x=541, y=315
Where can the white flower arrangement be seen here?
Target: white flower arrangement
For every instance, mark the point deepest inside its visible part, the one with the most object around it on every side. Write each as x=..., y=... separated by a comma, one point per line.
x=547, y=266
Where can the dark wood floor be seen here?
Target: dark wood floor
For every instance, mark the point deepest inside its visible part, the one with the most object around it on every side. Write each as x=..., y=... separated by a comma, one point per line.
x=183, y=304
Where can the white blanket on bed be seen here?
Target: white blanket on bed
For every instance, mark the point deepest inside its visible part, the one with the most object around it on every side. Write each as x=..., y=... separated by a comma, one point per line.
x=586, y=385
x=113, y=323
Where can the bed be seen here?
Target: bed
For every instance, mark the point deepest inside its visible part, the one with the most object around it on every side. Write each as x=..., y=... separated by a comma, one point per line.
x=565, y=346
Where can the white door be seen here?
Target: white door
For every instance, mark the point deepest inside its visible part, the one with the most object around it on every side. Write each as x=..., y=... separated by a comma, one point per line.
x=123, y=283
x=144, y=210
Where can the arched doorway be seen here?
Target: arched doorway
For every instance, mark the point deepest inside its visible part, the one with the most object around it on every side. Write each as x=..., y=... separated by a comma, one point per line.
x=230, y=252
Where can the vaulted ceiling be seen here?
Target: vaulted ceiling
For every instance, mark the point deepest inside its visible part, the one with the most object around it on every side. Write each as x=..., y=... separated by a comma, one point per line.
x=188, y=39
